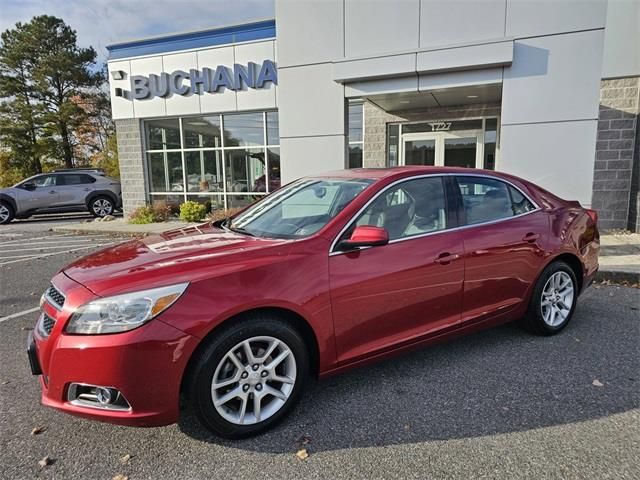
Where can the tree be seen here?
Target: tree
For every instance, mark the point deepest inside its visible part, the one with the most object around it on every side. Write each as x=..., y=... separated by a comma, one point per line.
x=43, y=73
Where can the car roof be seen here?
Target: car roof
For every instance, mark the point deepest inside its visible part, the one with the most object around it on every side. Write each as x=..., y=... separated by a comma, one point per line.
x=400, y=172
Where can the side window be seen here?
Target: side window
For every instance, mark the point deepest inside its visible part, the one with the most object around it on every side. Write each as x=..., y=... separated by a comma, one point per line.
x=73, y=179
x=411, y=208
x=520, y=203
x=45, y=181
x=487, y=199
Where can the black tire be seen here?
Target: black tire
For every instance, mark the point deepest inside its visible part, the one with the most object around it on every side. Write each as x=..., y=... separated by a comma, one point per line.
x=199, y=387
x=534, y=320
x=101, y=206
x=7, y=213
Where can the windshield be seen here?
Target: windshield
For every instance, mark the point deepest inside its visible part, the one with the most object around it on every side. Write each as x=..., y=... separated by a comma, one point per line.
x=299, y=209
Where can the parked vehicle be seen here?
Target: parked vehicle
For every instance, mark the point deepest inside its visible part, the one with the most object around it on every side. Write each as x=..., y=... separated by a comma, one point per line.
x=68, y=190
x=325, y=274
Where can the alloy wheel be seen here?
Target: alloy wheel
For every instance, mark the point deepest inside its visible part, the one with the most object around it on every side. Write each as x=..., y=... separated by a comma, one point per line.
x=102, y=207
x=4, y=213
x=557, y=299
x=253, y=380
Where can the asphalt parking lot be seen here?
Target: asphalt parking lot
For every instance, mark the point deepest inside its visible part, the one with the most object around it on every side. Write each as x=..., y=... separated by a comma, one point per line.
x=498, y=404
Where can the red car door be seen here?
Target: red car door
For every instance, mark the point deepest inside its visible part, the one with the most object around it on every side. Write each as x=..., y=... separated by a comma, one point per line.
x=504, y=245
x=385, y=296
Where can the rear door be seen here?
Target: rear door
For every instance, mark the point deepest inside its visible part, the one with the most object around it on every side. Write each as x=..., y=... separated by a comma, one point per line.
x=73, y=188
x=384, y=297
x=504, y=242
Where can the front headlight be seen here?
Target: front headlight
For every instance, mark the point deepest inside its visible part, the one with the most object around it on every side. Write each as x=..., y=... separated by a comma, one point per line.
x=123, y=312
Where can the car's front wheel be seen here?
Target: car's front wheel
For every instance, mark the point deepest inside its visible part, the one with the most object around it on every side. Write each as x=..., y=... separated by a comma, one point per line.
x=6, y=213
x=101, y=206
x=554, y=300
x=248, y=377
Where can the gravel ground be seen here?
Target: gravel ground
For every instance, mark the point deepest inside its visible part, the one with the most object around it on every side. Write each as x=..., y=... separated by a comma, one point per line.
x=498, y=404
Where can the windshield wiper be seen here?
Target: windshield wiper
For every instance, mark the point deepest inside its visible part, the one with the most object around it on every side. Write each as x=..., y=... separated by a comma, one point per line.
x=240, y=230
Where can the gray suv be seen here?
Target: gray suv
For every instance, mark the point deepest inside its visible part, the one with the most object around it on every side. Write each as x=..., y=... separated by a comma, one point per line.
x=61, y=191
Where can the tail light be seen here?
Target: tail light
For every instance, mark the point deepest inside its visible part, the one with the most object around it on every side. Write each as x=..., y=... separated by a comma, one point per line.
x=593, y=215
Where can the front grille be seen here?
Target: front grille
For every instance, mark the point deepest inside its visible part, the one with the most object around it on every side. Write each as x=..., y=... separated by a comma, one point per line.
x=45, y=325
x=55, y=296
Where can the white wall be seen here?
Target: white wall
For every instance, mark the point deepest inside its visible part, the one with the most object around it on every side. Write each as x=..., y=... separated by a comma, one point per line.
x=622, y=39
x=310, y=103
x=222, y=101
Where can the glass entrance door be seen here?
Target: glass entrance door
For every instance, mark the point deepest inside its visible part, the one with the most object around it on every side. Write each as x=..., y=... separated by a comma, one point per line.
x=450, y=149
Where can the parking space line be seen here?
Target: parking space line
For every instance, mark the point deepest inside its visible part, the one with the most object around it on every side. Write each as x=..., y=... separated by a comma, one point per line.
x=58, y=240
x=19, y=314
x=37, y=247
x=35, y=256
x=40, y=238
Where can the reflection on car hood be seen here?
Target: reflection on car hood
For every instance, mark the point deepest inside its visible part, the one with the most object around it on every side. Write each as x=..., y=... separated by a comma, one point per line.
x=172, y=257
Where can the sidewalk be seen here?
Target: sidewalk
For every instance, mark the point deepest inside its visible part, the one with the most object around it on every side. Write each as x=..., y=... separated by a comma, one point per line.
x=619, y=254
x=620, y=258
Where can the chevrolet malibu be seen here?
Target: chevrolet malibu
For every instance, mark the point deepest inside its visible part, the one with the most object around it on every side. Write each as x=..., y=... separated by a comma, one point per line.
x=328, y=273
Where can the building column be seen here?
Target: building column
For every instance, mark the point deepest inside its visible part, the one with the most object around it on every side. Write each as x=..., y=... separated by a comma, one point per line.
x=131, y=159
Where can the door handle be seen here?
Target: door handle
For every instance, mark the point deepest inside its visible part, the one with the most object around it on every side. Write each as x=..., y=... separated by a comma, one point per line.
x=52, y=191
x=87, y=189
x=531, y=237
x=446, y=258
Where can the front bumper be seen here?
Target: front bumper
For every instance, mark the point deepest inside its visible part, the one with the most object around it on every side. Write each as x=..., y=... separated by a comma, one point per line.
x=146, y=365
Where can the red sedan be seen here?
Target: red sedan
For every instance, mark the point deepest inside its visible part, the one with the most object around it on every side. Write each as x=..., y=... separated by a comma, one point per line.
x=325, y=274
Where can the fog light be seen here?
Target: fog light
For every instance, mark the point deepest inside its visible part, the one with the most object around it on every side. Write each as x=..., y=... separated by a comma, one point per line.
x=96, y=396
x=106, y=395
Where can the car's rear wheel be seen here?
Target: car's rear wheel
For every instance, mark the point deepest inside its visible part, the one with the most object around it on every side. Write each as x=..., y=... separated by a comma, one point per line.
x=101, y=206
x=6, y=213
x=248, y=377
x=554, y=300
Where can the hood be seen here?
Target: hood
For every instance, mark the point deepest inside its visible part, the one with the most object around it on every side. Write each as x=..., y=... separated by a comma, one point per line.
x=176, y=256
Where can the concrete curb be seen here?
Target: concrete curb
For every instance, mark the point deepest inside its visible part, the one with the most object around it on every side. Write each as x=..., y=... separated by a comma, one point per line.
x=121, y=228
x=618, y=277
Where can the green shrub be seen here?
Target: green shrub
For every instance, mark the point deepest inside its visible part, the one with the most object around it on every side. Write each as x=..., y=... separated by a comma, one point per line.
x=142, y=215
x=192, y=211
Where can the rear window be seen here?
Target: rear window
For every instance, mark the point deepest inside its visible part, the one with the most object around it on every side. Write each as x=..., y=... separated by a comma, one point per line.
x=488, y=199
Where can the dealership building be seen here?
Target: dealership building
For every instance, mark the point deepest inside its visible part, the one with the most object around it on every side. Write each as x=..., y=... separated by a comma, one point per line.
x=547, y=90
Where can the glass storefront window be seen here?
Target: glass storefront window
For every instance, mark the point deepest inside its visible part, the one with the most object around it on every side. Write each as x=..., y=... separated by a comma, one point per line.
x=244, y=170
x=274, y=169
x=490, y=139
x=355, y=155
x=241, y=201
x=243, y=129
x=273, y=129
x=442, y=126
x=204, y=171
x=163, y=134
x=393, y=143
x=201, y=132
x=355, y=122
x=191, y=150
x=355, y=126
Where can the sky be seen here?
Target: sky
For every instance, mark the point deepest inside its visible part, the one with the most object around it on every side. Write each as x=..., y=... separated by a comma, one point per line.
x=102, y=22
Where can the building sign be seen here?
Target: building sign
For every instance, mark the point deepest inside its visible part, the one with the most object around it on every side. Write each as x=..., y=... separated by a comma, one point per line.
x=440, y=126
x=207, y=80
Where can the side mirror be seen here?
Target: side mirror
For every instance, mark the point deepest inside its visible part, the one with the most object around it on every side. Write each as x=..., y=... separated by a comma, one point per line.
x=29, y=186
x=365, y=236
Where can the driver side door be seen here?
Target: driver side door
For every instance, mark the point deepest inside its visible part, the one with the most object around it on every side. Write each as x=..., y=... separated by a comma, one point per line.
x=388, y=296
x=43, y=197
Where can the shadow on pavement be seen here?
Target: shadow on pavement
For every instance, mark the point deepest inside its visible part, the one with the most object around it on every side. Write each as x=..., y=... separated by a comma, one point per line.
x=498, y=381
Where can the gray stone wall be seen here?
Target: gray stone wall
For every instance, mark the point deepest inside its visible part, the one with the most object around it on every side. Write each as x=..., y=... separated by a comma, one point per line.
x=130, y=156
x=615, y=160
x=376, y=120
